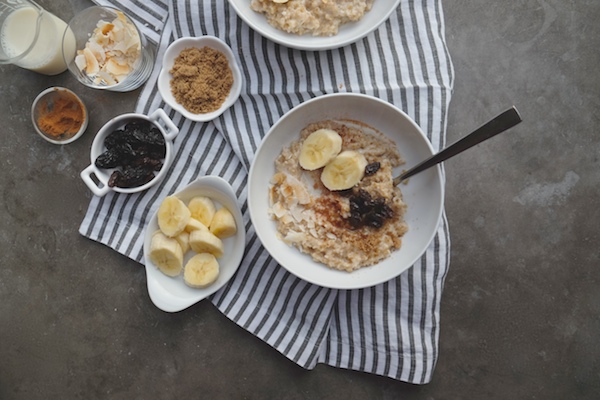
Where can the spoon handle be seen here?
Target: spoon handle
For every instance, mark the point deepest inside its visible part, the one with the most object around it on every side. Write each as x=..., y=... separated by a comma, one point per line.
x=499, y=124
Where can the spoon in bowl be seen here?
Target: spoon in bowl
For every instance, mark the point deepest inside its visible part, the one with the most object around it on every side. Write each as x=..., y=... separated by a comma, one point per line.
x=499, y=124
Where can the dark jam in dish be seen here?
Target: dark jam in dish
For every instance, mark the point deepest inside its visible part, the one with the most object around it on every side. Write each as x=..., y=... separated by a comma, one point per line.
x=368, y=211
x=136, y=150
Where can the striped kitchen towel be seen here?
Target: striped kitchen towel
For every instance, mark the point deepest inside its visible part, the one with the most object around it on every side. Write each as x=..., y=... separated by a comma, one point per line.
x=391, y=329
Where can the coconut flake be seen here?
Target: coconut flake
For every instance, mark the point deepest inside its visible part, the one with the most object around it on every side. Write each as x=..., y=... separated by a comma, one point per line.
x=279, y=210
x=111, y=52
x=293, y=237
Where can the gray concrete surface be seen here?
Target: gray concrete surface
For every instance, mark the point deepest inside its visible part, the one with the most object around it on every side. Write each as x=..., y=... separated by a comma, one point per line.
x=521, y=306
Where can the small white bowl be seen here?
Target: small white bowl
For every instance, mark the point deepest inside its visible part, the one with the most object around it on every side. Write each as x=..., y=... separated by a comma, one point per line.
x=164, y=78
x=99, y=186
x=171, y=294
x=48, y=97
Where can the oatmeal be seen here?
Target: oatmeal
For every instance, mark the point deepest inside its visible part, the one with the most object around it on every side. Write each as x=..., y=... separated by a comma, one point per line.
x=316, y=17
x=346, y=229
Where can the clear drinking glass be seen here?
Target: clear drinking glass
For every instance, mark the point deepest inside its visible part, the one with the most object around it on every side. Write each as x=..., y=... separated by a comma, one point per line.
x=110, y=24
x=32, y=38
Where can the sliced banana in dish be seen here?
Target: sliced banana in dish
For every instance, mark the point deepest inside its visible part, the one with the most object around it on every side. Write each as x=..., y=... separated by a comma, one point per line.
x=184, y=229
x=319, y=148
x=166, y=254
x=184, y=241
x=206, y=242
x=345, y=171
x=202, y=208
x=223, y=224
x=201, y=270
x=194, y=225
x=173, y=216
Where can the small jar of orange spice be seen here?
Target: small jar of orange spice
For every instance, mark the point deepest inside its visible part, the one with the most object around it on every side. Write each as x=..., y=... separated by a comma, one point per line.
x=58, y=115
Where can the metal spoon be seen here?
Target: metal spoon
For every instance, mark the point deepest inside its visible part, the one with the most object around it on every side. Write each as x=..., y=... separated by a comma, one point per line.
x=501, y=123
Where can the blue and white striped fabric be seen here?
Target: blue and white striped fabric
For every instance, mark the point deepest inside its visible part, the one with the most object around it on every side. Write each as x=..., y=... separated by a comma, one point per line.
x=391, y=329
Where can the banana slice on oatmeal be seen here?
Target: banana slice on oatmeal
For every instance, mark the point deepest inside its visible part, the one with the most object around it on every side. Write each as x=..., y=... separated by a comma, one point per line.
x=345, y=171
x=319, y=148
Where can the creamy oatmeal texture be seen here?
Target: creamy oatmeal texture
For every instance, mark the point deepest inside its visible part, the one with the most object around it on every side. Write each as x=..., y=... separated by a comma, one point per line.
x=315, y=220
x=316, y=17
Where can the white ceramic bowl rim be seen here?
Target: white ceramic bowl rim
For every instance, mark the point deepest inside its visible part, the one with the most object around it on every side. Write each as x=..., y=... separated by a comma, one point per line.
x=348, y=33
x=157, y=118
x=424, y=193
x=164, y=77
x=54, y=89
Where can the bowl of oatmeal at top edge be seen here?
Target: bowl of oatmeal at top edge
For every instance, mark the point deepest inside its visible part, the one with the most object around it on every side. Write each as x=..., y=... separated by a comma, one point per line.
x=200, y=77
x=294, y=13
x=312, y=231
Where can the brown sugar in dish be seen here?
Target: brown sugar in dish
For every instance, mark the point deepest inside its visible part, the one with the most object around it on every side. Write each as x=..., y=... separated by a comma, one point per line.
x=201, y=79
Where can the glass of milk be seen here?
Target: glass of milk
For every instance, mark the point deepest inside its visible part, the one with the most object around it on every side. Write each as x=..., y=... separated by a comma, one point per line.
x=32, y=38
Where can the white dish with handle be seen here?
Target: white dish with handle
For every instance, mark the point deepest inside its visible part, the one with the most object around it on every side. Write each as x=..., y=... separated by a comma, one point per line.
x=171, y=294
x=97, y=178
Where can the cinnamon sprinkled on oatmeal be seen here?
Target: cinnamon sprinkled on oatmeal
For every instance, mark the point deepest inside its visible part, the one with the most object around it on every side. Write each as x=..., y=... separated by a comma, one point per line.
x=319, y=222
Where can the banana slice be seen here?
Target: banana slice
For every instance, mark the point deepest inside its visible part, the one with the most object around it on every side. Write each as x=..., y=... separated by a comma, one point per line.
x=223, y=224
x=319, y=148
x=166, y=254
x=345, y=171
x=194, y=225
x=206, y=242
x=201, y=270
x=203, y=209
x=173, y=216
x=184, y=241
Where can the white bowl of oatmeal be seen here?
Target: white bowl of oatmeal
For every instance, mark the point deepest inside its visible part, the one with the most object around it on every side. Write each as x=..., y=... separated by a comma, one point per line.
x=282, y=23
x=309, y=230
x=206, y=64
